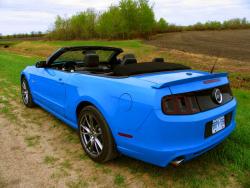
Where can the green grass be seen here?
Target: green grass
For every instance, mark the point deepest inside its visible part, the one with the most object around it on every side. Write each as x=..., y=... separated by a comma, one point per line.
x=124, y=43
x=119, y=180
x=77, y=184
x=32, y=141
x=11, y=66
x=229, y=160
x=7, y=42
x=5, y=110
x=50, y=160
x=59, y=173
x=66, y=164
x=71, y=137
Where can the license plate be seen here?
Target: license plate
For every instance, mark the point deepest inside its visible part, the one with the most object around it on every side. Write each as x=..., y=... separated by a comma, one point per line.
x=218, y=124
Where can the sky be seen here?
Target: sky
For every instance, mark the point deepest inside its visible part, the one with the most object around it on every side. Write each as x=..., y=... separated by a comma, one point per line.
x=24, y=16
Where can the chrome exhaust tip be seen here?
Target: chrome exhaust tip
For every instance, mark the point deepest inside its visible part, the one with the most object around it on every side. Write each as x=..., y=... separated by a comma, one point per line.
x=177, y=161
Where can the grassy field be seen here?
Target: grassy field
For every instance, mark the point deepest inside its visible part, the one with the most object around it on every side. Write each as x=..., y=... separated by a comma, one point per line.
x=239, y=70
x=37, y=149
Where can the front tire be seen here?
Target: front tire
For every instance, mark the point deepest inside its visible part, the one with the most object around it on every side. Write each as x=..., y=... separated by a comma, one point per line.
x=95, y=135
x=26, y=95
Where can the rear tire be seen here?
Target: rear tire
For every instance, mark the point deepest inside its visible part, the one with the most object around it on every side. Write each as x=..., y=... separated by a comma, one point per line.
x=95, y=135
x=26, y=95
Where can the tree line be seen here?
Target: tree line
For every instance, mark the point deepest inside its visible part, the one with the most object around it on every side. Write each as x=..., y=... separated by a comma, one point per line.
x=32, y=34
x=129, y=19
x=236, y=23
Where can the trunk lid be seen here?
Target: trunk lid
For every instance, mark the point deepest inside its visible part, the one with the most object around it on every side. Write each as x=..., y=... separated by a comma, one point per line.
x=184, y=81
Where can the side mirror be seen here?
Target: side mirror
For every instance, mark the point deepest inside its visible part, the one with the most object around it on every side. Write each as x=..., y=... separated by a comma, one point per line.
x=40, y=64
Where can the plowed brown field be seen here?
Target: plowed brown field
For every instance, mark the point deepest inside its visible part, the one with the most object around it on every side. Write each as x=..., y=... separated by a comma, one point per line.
x=233, y=44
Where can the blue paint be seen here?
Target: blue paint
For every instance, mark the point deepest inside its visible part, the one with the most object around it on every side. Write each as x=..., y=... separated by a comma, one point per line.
x=132, y=106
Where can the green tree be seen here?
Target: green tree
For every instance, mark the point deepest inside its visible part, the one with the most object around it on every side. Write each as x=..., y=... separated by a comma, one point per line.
x=161, y=26
x=111, y=24
x=83, y=25
x=61, y=26
x=129, y=15
x=146, y=18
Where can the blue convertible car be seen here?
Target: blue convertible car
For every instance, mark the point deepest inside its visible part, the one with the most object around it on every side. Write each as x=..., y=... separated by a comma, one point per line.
x=157, y=112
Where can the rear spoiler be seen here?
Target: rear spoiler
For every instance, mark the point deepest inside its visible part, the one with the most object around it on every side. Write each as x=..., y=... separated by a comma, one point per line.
x=192, y=79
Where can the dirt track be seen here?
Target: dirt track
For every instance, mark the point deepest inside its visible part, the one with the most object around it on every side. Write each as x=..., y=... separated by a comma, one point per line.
x=233, y=44
x=32, y=156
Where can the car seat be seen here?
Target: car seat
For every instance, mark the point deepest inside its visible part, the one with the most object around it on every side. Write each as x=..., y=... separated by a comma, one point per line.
x=128, y=59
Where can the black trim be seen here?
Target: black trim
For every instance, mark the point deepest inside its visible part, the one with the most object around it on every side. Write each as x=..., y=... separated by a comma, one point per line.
x=204, y=98
x=148, y=67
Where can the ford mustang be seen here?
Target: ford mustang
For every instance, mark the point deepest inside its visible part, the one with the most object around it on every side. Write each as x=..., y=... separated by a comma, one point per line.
x=158, y=112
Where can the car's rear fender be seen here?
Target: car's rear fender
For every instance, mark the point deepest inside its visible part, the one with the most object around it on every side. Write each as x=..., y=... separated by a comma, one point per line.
x=118, y=100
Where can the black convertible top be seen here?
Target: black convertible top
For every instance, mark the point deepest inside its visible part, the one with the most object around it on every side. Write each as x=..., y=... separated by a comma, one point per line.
x=141, y=68
x=126, y=67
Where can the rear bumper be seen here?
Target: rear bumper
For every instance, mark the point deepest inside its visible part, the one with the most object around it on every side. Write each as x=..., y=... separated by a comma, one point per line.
x=162, y=138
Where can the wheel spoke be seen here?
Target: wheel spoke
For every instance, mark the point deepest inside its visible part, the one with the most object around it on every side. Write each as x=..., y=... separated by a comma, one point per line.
x=26, y=98
x=88, y=143
x=86, y=129
x=86, y=133
x=91, y=122
x=96, y=127
x=24, y=92
x=91, y=134
x=98, y=134
x=98, y=143
x=24, y=86
x=91, y=145
x=96, y=147
x=87, y=121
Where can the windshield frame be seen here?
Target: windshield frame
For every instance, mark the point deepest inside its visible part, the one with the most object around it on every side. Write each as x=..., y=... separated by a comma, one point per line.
x=59, y=52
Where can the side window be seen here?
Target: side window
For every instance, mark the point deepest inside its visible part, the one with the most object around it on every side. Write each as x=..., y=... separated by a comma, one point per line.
x=104, y=55
x=75, y=56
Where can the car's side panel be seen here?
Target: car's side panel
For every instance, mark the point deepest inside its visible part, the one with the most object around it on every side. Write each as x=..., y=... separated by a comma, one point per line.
x=47, y=86
x=62, y=118
x=107, y=94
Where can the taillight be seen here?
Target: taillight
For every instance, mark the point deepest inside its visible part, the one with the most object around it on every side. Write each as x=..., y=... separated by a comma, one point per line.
x=180, y=104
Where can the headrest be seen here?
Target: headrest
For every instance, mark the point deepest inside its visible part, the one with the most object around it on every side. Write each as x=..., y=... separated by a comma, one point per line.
x=128, y=59
x=158, y=59
x=91, y=60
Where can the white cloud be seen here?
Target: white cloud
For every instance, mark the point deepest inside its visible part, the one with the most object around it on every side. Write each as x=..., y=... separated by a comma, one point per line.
x=24, y=21
x=17, y=16
x=191, y=11
x=24, y=16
